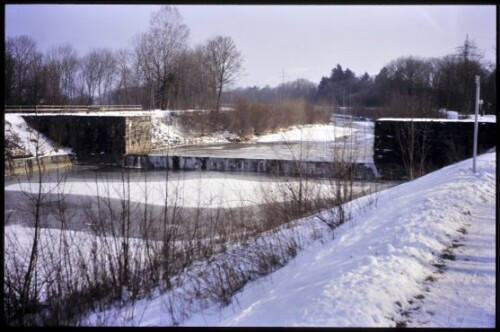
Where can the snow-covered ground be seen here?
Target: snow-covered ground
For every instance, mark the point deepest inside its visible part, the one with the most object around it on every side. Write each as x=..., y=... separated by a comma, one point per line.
x=166, y=132
x=309, y=133
x=419, y=254
x=381, y=267
x=422, y=254
x=25, y=137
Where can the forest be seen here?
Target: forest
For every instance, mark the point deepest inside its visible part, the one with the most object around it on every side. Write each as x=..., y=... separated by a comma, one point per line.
x=408, y=86
x=161, y=71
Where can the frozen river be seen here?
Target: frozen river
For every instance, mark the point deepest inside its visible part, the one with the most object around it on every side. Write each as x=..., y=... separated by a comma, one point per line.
x=331, y=145
x=188, y=193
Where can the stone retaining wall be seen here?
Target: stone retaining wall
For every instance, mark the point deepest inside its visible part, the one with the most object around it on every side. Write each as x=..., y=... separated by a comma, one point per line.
x=96, y=138
x=441, y=142
x=19, y=166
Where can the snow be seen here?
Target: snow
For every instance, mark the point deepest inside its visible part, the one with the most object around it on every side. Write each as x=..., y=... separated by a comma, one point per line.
x=449, y=114
x=213, y=189
x=383, y=255
x=379, y=268
x=95, y=113
x=483, y=118
x=166, y=132
x=16, y=125
x=382, y=266
x=309, y=133
x=470, y=118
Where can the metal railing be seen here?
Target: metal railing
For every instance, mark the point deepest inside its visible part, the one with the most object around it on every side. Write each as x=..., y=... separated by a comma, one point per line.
x=69, y=108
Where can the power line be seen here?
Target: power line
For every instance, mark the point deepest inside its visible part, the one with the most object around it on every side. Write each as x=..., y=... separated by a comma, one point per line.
x=283, y=75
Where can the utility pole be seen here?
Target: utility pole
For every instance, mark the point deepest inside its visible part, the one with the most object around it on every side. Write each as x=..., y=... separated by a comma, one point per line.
x=476, y=111
x=283, y=75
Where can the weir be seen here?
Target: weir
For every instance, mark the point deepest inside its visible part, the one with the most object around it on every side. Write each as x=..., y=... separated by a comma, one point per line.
x=358, y=171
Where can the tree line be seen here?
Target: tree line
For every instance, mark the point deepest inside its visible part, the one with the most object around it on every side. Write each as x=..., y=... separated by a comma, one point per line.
x=159, y=70
x=407, y=86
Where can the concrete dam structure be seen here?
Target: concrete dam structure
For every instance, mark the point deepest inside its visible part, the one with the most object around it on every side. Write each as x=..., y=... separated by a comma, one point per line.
x=270, y=166
x=125, y=140
x=96, y=138
x=433, y=142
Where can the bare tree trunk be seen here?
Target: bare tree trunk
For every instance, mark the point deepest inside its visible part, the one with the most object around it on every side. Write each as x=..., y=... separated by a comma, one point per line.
x=29, y=297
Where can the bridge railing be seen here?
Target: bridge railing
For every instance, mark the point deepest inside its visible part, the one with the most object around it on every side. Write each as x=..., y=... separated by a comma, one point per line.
x=69, y=108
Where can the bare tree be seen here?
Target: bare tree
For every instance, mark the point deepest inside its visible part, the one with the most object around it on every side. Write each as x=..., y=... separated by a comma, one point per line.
x=124, y=76
x=98, y=70
x=192, y=82
x=106, y=73
x=157, y=51
x=412, y=97
x=53, y=77
x=23, y=283
x=89, y=72
x=61, y=66
x=143, y=64
x=22, y=64
x=224, y=63
x=69, y=60
x=9, y=71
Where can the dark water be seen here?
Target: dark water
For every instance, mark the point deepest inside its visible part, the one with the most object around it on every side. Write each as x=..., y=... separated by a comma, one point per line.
x=82, y=209
x=88, y=213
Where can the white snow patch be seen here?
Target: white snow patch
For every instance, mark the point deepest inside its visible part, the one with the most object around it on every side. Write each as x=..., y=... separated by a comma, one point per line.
x=207, y=191
x=15, y=125
x=166, y=132
x=309, y=133
x=470, y=118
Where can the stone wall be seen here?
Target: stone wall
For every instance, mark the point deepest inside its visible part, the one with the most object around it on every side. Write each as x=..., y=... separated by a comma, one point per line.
x=443, y=142
x=137, y=135
x=20, y=166
x=96, y=138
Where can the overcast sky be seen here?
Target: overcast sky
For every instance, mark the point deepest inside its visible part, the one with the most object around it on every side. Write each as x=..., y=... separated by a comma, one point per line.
x=299, y=41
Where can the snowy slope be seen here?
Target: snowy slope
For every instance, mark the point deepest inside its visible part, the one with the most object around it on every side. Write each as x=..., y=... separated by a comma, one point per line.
x=309, y=133
x=166, y=132
x=24, y=137
x=382, y=260
x=385, y=266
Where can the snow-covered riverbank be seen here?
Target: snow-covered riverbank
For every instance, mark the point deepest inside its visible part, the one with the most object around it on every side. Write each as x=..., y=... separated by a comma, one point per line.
x=165, y=133
x=419, y=254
